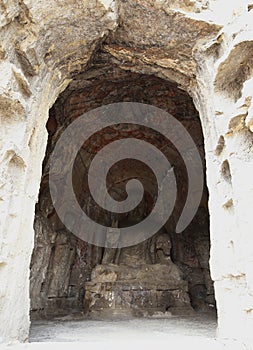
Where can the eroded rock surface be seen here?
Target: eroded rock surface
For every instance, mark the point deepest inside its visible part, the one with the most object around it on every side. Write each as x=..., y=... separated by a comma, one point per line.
x=196, y=44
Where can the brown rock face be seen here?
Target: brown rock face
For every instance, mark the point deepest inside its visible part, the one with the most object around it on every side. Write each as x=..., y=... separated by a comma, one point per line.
x=158, y=36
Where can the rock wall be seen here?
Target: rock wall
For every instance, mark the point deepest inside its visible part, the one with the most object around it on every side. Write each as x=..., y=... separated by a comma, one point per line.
x=197, y=44
x=229, y=163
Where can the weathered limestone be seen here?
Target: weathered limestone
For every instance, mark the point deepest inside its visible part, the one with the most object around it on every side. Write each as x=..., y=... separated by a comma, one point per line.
x=30, y=42
x=122, y=290
x=228, y=81
x=205, y=49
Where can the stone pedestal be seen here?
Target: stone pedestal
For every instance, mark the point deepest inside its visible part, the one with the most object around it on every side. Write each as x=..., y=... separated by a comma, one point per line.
x=145, y=290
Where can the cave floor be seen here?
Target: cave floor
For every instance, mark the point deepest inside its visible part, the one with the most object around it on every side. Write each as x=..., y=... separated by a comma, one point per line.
x=148, y=329
x=191, y=332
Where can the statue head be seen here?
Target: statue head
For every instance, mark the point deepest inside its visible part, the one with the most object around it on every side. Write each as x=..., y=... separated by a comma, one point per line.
x=163, y=243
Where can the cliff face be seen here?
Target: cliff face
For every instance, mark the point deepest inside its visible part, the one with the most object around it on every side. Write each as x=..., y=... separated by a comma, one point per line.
x=198, y=45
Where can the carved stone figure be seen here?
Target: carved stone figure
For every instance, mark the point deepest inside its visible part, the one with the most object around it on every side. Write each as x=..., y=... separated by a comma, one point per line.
x=137, y=280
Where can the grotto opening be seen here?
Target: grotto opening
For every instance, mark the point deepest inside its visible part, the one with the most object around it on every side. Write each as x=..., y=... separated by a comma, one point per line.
x=167, y=274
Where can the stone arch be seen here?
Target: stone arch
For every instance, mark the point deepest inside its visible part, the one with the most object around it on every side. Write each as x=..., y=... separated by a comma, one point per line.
x=106, y=83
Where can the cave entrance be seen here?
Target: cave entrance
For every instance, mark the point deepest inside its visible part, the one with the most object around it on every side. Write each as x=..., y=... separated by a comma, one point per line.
x=168, y=274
